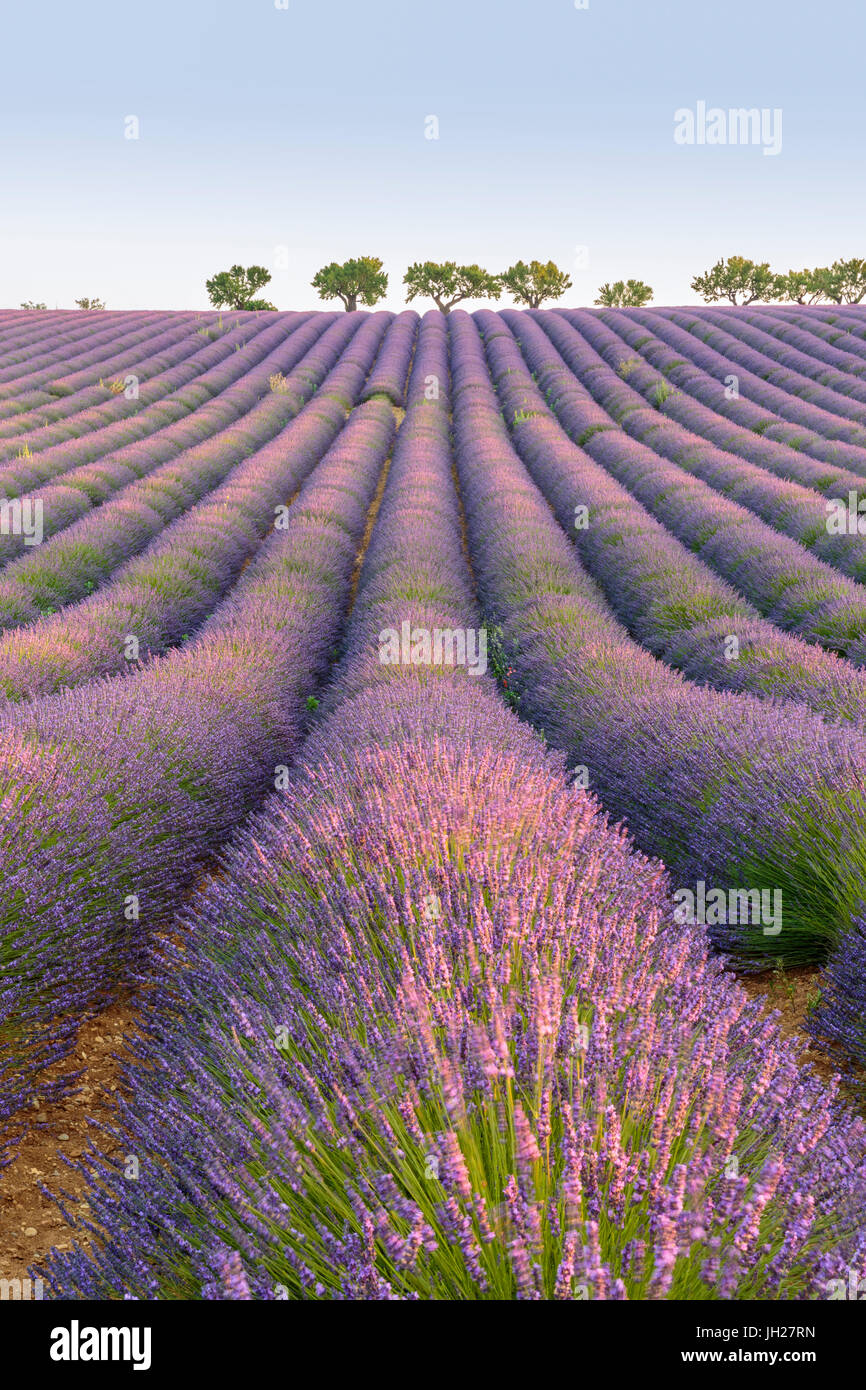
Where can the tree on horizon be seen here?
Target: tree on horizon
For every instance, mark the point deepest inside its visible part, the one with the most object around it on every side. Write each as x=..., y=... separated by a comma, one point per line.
x=624, y=294
x=362, y=279
x=447, y=283
x=235, y=288
x=738, y=280
x=532, y=284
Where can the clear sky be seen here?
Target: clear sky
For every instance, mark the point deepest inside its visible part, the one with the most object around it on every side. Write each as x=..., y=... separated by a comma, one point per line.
x=304, y=128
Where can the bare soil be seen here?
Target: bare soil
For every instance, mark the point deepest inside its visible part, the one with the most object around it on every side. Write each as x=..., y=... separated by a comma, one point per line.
x=30, y=1223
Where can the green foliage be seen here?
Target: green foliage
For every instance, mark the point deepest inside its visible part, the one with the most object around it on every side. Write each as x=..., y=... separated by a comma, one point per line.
x=742, y=282
x=362, y=279
x=739, y=280
x=844, y=282
x=236, y=288
x=500, y=665
x=801, y=287
x=627, y=366
x=624, y=294
x=532, y=284
x=447, y=283
x=660, y=393
x=30, y=304
x=84, y=303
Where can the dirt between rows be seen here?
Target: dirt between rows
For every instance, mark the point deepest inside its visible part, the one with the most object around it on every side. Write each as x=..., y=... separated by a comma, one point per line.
x=30, y=1223
x=791, y=992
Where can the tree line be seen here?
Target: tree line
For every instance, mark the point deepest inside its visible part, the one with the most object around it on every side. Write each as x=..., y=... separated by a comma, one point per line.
x=86, y=303
x=364, y=281
x=741, y=281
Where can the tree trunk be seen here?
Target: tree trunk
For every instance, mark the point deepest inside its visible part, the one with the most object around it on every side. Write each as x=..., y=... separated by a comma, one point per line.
x=351, y=303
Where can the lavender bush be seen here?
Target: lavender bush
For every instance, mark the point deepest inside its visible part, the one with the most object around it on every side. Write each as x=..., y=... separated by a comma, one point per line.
x=188, y=414
x=722, y=787
x=667, y=598
x=76, y=400
x=786, y=583
x=708, y=406
x=159, y=597
x=70, y=565
x=118, y=789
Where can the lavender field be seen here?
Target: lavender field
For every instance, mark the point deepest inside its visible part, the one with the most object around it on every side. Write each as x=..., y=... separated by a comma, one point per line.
x=437, y=733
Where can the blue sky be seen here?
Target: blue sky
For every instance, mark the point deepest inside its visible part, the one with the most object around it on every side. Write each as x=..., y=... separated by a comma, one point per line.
x=304, y=128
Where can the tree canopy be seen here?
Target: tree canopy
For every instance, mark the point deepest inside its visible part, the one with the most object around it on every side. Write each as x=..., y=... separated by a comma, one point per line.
x=446, y=283
x=737, y=279
x=236, y=288
x=361, y=279
x=844, y=281
x=624, y=294
x=800, y=287
x=85, y=303
x=532, y=284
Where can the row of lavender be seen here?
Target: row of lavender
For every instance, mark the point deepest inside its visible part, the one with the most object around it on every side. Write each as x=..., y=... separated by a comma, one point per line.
x=208, y=420
x=684, y=483
x=832, y=361
x=842, y=332
x=83, y=400
x=181, y=390
x=431, y=1032
x=717, y=406
x=118, y=790
x=81, y=488
x=793, y=410
x=803, y=372
x=31, y=352
x=70, y=565
x=164, y=361
x=792, y=509
x=158, y=598
x=668, y=598
x=746, y=797
x=656, y=585
x=233, y=384
x=175, y=586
